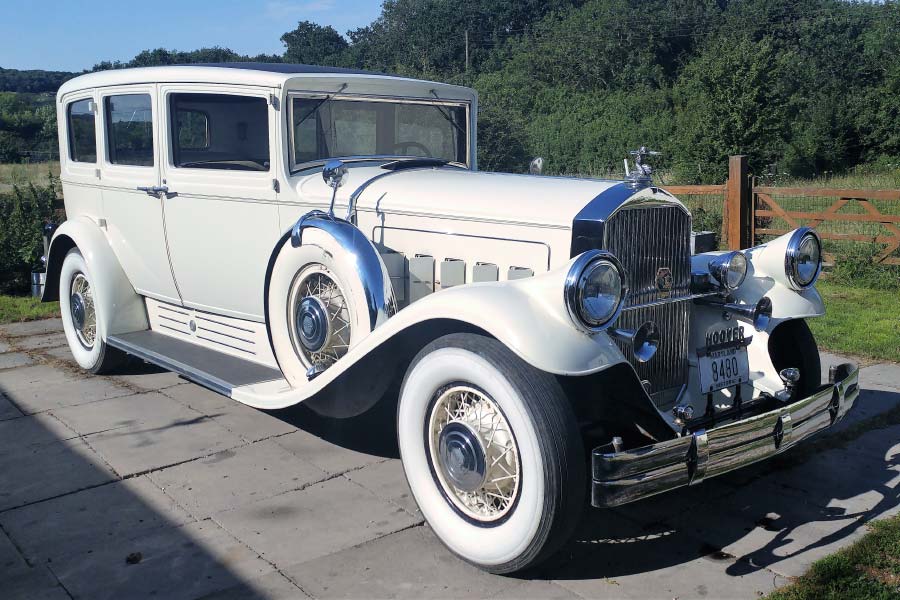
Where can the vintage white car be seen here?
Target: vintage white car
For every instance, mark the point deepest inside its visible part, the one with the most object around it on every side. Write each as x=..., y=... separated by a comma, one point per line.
x=287, y=233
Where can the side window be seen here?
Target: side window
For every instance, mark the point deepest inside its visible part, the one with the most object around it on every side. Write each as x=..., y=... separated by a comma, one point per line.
x=219, y=131
x=129, y=129
x=82, y=132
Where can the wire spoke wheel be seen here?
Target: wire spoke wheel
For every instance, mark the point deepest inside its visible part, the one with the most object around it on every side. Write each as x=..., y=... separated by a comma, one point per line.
x=84, y=314
x=320, y=317
x=474, y=453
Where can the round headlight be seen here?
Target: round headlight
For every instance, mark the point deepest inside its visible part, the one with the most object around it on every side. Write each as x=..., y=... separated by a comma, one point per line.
x=803, y=259
x=595, y=289
x=729, y=269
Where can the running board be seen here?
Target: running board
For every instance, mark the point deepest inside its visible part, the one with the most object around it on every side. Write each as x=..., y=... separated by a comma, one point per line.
x=214, y=370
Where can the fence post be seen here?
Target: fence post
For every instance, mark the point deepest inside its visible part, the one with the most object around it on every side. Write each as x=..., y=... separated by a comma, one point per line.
x=738, y=204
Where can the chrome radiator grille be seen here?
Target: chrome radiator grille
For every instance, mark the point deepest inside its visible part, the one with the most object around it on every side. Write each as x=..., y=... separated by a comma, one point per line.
x=653, y=244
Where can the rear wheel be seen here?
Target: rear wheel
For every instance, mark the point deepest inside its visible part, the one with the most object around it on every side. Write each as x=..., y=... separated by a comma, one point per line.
x=792, y=345
x=80, y=312
x=491, y=451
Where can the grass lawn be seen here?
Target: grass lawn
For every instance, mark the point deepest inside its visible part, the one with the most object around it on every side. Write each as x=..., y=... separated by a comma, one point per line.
x=24, y=173
x=867, y=570
x=25, y=308
x=859, y=321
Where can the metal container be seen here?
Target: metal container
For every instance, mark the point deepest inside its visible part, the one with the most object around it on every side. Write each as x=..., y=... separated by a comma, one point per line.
x=38, y=279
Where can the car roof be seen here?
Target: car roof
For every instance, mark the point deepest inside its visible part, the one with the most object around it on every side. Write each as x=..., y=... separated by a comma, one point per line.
x=279, y=75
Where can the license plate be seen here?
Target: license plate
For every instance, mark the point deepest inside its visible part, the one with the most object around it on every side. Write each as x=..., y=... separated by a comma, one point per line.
x=724, y=368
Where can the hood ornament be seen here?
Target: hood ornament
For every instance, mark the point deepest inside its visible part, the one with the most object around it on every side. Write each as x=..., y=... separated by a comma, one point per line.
x=640, y=177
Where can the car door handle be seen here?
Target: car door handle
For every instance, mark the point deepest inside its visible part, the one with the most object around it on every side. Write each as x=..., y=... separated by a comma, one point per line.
x=154, y=190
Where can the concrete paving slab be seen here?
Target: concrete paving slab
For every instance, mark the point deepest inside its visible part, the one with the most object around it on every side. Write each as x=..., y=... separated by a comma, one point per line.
x=884, y=374
x=175, y=563
x=149, y=378
x=83, y=523
x=143, y=447
x=273, y=586
x=28, y=434
x=34, y=583
x=32, y=327
x=38, y=398
x=408, y=564
x=38, y=375
x=871, y=403
x=325, y=455
x=233, y=478
x=250, y=423
x=10, y=557
x=49, y=471
x=199, y=398
x=7, y=409
x=387, y=481
x=687, y=499
x=11, y=360
x=53, y=340
x=319, y=520
x=129, y=411
x=536, y=590
x=62, y=353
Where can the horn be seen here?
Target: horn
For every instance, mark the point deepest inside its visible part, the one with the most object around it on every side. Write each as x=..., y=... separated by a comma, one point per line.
x=759, y=314
x=644, y=340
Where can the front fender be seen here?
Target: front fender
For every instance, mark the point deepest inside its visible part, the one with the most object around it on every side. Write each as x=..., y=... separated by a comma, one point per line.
x=119, y=308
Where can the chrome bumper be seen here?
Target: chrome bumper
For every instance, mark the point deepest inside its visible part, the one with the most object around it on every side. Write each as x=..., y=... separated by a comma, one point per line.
x=622, y=477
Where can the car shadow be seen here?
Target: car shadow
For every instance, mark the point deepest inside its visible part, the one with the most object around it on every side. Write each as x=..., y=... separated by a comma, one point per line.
x=803, y=502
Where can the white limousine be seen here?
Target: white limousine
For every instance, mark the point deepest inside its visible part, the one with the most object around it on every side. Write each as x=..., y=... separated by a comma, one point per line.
x=289, y=233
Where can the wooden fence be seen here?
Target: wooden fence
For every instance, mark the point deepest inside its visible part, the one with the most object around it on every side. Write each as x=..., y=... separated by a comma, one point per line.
x=842, y=217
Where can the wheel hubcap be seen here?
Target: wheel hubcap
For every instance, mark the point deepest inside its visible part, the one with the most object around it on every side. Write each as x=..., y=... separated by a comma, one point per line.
x=321, y=318
x=462, y=457
x=84, y=315
x=474, y=453
x=312, y=324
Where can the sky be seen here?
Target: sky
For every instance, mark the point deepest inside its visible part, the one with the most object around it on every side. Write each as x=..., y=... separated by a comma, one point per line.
x=71, y=35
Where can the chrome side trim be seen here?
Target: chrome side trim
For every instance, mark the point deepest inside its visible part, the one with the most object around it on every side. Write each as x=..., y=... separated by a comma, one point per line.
x=361, y=256
x=623, y=477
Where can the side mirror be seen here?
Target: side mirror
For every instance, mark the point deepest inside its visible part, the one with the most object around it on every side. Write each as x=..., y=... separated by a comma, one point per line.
x=334, y=173
x=536, y=166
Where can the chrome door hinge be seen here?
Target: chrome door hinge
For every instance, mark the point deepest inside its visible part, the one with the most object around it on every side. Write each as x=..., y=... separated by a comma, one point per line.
x=276, y=186
x=273, y=100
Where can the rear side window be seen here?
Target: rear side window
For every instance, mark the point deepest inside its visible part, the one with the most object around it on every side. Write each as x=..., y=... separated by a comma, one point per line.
x=219, y=131
x=82, y=132
x=129, y=129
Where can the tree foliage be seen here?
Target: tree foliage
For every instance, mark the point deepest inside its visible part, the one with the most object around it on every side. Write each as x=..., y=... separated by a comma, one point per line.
x=801, y=86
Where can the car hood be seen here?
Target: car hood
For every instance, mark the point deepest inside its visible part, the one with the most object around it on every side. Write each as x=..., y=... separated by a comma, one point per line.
x=462, y=194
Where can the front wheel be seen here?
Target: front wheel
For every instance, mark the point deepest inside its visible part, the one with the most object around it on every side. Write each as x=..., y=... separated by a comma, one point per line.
x=80, y=312
x=492, y=452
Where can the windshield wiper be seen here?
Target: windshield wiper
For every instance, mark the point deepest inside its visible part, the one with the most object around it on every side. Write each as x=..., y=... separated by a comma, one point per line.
x=319, y=105
x=446, y=114
x=412, y=163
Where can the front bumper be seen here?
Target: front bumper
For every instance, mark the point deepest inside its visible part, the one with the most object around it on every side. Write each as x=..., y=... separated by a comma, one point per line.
x=622, y=477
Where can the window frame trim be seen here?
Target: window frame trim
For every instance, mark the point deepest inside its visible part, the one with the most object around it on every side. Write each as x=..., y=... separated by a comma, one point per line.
x=70, y=139
x=107, y=126
x=295, y=168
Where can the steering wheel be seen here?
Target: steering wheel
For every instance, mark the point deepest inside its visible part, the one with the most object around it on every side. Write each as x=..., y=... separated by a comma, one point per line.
x=406, y=145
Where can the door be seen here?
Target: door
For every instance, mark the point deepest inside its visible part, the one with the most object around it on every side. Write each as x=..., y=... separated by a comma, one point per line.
x=131, y=161
x=220, y=212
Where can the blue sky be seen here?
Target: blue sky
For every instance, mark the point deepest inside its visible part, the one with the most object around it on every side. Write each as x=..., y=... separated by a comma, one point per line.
x=71, y=35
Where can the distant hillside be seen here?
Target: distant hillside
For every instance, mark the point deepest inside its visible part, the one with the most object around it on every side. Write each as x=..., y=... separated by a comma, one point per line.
x=33, y=81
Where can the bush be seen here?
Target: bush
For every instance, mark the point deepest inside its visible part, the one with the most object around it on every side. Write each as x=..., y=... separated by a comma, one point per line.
x=23, y=213
x=853, y=266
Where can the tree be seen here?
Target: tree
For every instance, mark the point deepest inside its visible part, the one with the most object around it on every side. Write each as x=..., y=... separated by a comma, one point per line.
x=313, y=44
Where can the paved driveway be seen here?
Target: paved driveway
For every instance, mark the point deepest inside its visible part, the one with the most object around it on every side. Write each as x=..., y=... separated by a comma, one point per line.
x=144, y=485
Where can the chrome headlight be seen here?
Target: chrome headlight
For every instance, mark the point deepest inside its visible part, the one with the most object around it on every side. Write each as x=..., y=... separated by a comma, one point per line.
x=729, y=269
x=595, y=290
x=803, y=258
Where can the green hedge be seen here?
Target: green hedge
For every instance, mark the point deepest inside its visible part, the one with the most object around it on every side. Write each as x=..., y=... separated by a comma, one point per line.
x=23, y=213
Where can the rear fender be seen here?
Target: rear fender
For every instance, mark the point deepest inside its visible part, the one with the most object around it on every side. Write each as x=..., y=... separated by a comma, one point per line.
x=120, y=308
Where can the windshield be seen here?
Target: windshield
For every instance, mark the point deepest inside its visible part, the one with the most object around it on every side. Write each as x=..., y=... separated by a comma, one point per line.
x=338, y=128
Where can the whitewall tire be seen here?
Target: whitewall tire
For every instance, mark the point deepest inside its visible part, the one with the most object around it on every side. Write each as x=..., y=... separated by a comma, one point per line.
x=467, y=405
x=80, y=312
x=316, y=306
